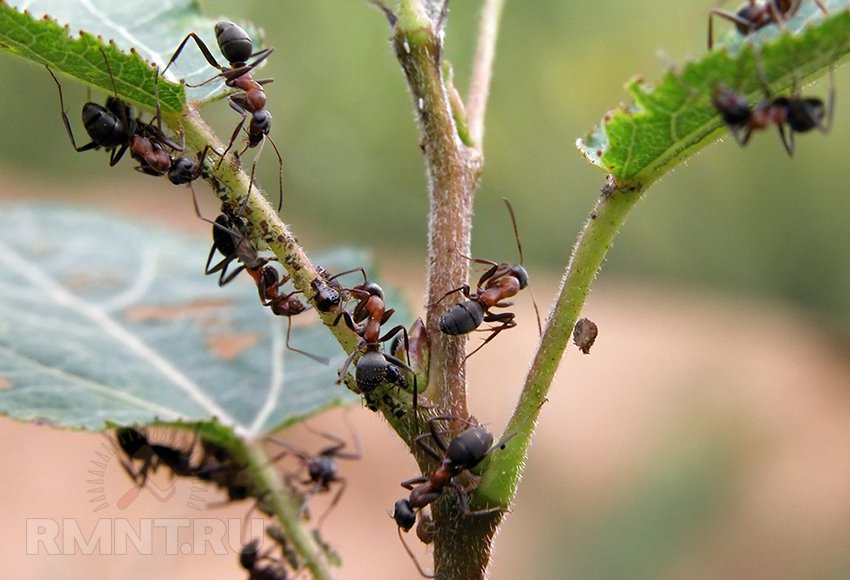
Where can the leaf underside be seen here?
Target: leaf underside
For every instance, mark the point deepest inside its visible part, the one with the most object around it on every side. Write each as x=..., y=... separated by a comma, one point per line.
x=67, y=35
x=675, y=119
x=132, y=332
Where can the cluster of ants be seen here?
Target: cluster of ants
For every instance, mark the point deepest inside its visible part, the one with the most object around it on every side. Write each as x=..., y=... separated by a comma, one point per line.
x=789, y=114
x=114, y=128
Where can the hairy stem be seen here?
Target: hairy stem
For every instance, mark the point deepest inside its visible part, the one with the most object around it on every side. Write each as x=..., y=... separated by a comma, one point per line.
x=499, y=483
x=453, y=172
x=485, y=54
x=286, y=506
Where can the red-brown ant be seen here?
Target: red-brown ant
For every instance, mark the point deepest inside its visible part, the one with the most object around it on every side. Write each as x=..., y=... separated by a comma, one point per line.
x=754, y=16
x=114, y=128
x=237, y=48
x=800, y=114
x=374, y=367
x=322, y=468
x=501, y=281
x=465, y=451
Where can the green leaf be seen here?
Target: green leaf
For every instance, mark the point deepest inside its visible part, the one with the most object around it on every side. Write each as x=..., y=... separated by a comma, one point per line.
x=675, y=119
x=68, y=35
x=103, y=320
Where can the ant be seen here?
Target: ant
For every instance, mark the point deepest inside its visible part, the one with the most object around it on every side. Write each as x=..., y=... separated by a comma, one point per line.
x=136, y=446
x=269, y=283
x=374, y=366
x=234, y=245
x=113, y=128
x=238, y=48
x=800, y=114
x=323, y=468
x=251, y=560
x=754, y=16
x=465, y=451
x=499, y=282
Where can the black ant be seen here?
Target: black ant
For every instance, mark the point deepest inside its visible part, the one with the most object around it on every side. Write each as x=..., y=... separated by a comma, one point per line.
x=501, y=281
x=374, y=367
x=465, y=451
x=800, y=114
x=322, y=468
x=238, y=48
x=754, y=16
x=136, y=446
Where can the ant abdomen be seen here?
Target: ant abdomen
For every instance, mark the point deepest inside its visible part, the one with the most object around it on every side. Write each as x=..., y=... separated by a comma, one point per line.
x=371, y=370
x=233, y=41
x=470, y=447
x=462, y=318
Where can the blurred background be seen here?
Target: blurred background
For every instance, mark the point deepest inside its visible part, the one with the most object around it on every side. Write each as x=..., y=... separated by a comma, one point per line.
x=708, y=433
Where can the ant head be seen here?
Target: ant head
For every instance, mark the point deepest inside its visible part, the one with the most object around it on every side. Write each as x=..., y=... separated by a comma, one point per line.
x=183, y=170
x=131, y=440
x=732, y=106
x=234, y=43
x=261, y=122
x=249, y=554
x=404, y=515
x=520, y=274
x=372, y=289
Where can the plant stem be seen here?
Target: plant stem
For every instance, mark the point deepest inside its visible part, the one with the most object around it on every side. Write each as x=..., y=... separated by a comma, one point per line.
x=453, y=172
x=499, y=482
x=485, y=54
x=286, y=506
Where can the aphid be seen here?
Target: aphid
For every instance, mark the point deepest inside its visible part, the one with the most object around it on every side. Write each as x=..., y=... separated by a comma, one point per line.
x=584, y=334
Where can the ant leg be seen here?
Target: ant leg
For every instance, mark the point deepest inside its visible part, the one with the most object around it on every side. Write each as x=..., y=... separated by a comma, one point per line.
x=731, y=17
x=391, y=333
x=315, y=357
x=463, y=289
x=787, y=141
x=507, y=321
x=463, y=501
x=822, y=7
x=117, y=154
x=78, y=149
x=334, y=501
x=411, y=483
x=204, y=50
x=235, y=134
x=343, y=273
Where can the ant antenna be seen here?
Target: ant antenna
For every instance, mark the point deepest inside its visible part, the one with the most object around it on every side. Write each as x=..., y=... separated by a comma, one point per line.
x=413, y=557
x=522, y=259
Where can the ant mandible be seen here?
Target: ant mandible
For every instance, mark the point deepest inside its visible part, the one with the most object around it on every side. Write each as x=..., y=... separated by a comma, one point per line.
x=238, y=48
x=800, y=114
x=374, y=366
x=501, y=281
x=754, y=16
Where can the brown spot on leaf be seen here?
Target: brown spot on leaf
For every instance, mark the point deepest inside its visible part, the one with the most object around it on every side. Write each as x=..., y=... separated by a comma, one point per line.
x=227, y=346
x=172, y=312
